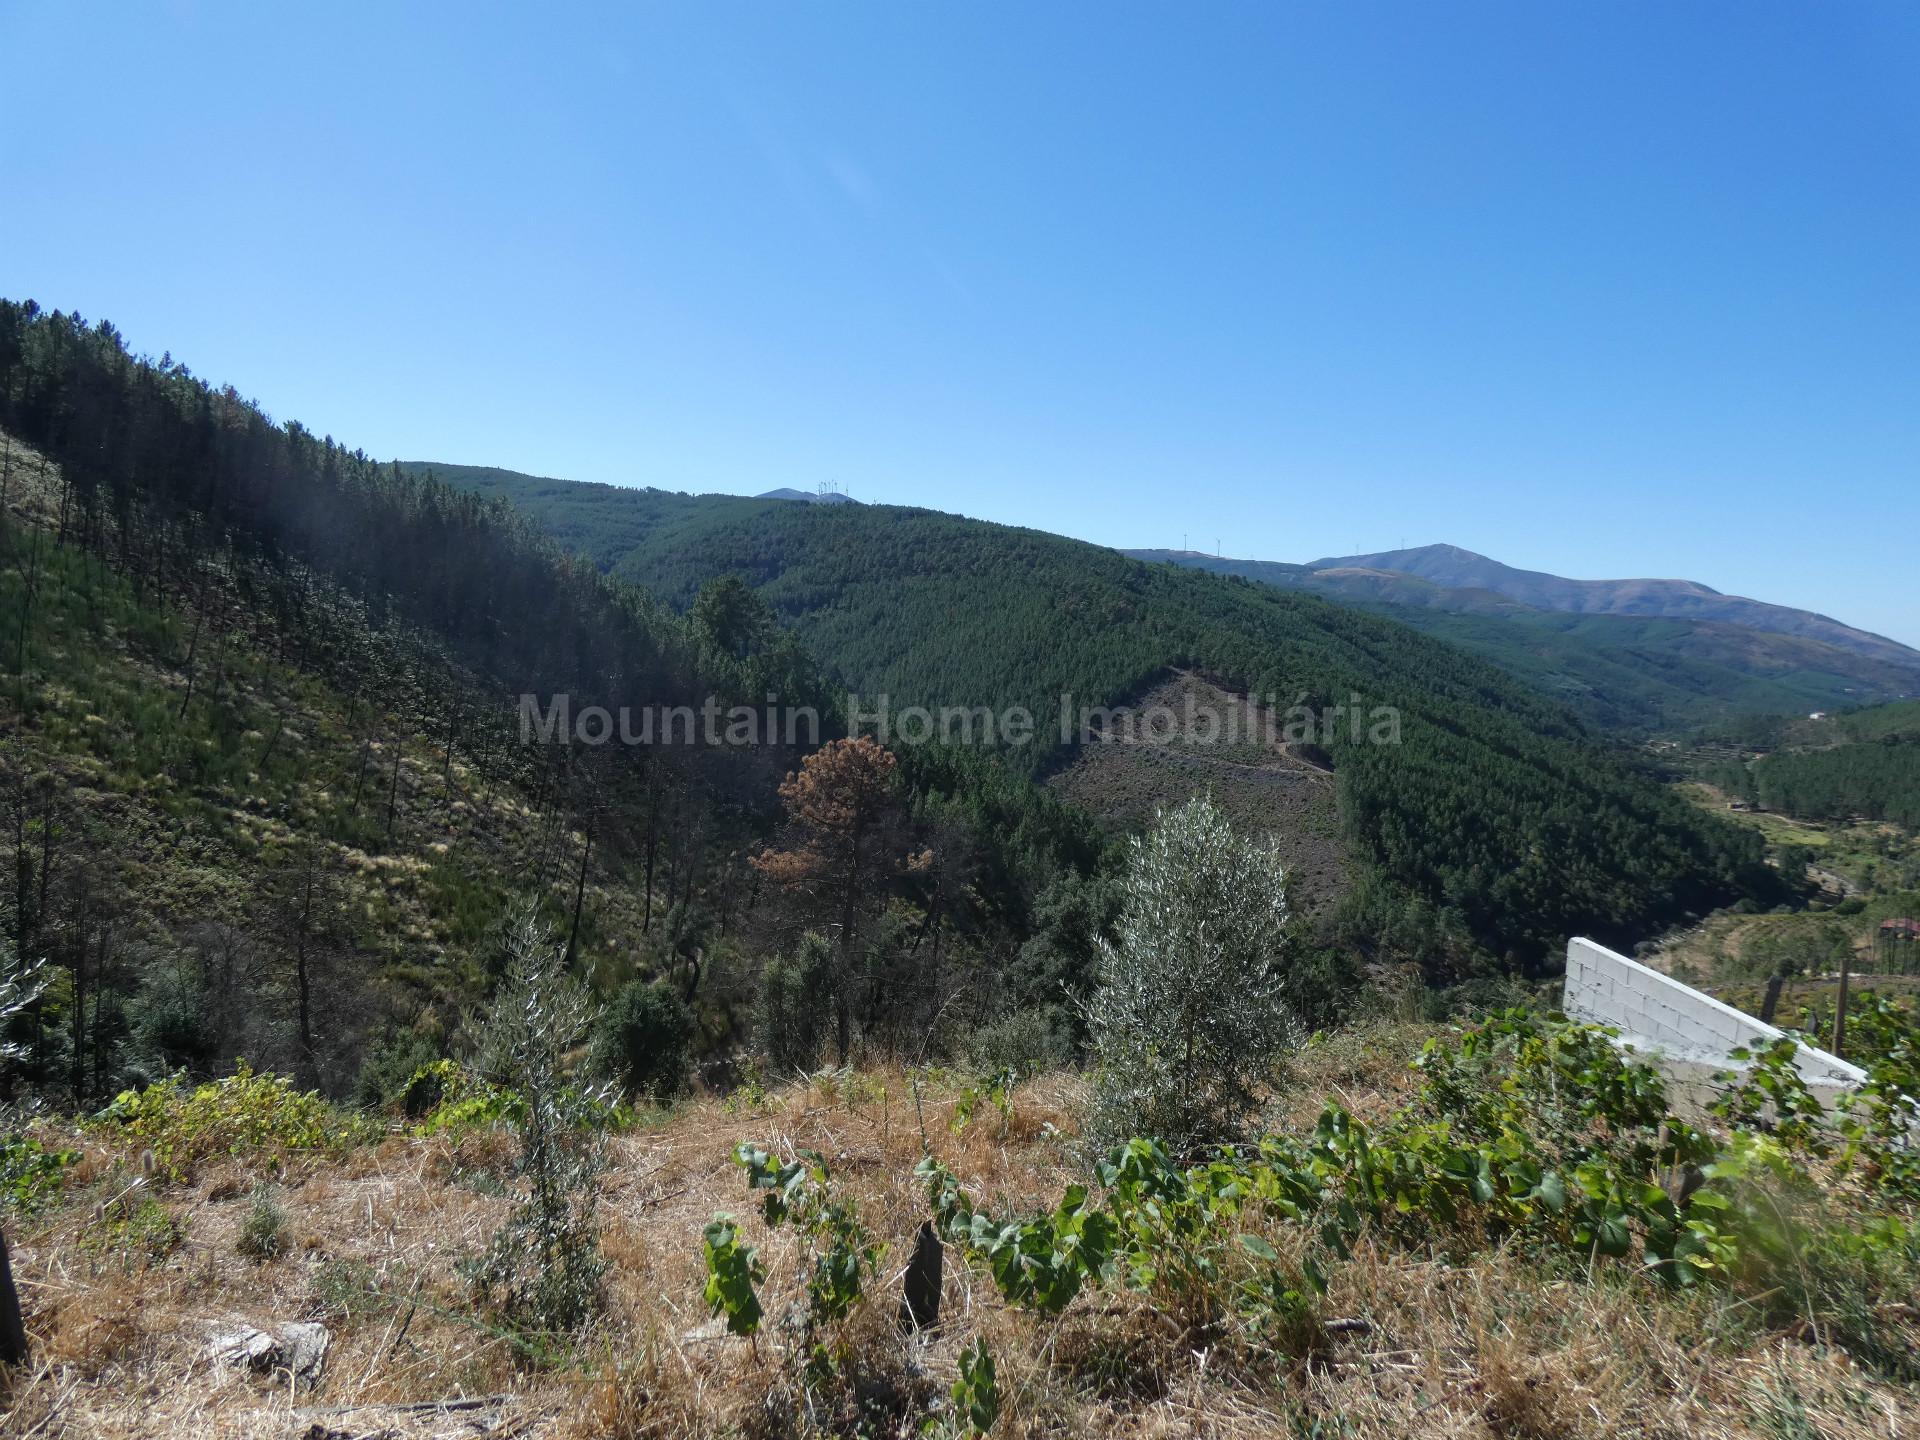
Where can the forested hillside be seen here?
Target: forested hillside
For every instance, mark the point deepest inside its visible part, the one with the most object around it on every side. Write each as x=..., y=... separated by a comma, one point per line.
x=1863, y=763
x=265, y=790
x=1876, y=782
x=1619, y=672
x=268, y=806
x=1629, y=673
x=1496, y=821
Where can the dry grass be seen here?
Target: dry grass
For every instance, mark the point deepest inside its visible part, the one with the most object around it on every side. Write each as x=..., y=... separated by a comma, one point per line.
x=1501, y=1347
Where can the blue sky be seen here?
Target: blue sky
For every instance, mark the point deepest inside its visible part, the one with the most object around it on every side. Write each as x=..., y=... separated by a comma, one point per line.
x=1618, y=289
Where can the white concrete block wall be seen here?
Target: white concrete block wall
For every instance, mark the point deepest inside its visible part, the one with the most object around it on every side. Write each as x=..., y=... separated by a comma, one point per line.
x=1656, y=1013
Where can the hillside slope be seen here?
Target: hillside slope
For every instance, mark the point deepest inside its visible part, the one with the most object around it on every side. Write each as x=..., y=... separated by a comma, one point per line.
x=1451, y=566
x=1262, y=783
x=1462, y=1321
x=267, y=788
x=1618, y=671
x=230, y=851
x=1492, y=810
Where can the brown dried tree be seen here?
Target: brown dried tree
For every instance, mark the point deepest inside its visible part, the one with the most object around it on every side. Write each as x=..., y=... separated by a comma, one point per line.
x=849, y=843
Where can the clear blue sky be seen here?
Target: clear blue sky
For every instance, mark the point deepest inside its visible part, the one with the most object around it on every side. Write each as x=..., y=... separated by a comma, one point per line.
x=1606, y=289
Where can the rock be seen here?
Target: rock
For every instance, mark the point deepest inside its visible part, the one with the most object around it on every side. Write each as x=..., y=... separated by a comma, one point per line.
x=920, y=1306
x=712, y=1332
x=294, y=1347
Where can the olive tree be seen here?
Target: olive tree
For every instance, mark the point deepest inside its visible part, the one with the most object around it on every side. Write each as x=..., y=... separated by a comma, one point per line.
x=1191, y=1010
x=544, y=1264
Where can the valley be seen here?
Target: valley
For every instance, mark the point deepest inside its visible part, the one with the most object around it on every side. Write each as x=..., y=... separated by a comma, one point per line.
x=931, y=609
x=336, y=1004
x=613, y=828
x=1859, y=874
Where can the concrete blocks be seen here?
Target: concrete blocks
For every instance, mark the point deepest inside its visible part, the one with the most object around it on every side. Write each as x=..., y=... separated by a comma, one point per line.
x=1657, y=1014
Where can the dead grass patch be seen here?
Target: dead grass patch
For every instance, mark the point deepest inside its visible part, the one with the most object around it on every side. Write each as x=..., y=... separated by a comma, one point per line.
x=1501, y=1345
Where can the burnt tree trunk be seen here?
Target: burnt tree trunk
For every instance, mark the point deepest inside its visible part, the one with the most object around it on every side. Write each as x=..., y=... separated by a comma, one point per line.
x=393, y=792
x=13, y=1328
x=579, y=898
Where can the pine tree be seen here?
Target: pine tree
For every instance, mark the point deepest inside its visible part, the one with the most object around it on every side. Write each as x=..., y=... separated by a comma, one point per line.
x=842, y=805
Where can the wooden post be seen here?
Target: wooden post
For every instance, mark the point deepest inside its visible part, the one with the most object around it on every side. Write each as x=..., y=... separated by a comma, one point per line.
x=1771, y=1005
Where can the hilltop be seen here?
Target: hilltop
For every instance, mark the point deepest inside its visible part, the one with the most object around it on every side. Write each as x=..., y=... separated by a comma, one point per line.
x=821, y=497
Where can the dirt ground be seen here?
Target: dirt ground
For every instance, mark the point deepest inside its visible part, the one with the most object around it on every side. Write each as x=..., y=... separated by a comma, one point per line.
x=1257, y=779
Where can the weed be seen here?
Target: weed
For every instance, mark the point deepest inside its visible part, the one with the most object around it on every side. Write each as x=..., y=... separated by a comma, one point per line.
x=140, y=1234
x=31, y=1176
x=263, y=1234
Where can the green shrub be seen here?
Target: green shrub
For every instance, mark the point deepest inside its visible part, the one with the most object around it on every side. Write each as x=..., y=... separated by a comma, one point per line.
x=995, y=1089
x=642, y=1039
x=347, y=1288
x=142, y=1234
x=1059, y=963
x=1030, y=1042
x=976, y=1394
x=1471, y=999
x=171, y=1024
x=446, y=1097
x=795, y=1001
x=733, y=1273
x=1878, y=1120
x=1193, y=1010
x=389, y=1071
x=1529, y=1133
x=256, y=1119
x=842, y=1259
x=543, y=1267
x=30, y=1174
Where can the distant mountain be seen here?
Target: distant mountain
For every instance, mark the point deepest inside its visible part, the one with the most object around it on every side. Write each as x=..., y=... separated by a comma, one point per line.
x=1632, y=668
x=1352, y=582
x=822, y=497
x=1450, y=566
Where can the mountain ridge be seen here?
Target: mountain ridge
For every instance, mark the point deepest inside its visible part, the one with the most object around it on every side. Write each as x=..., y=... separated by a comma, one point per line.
x=1449, y=579
x=1454, y=567
x=1622, y=673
